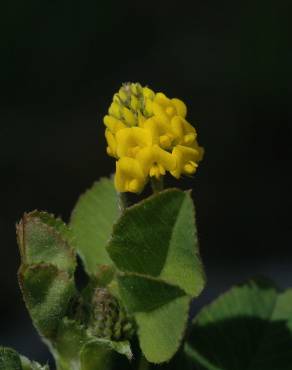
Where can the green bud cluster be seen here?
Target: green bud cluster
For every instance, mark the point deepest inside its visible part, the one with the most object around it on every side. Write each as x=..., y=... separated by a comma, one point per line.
x=108, y=319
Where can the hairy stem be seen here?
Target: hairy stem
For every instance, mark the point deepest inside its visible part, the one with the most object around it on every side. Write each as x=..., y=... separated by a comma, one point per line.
x=123, y=202
x=157, y=184
x=144, y=364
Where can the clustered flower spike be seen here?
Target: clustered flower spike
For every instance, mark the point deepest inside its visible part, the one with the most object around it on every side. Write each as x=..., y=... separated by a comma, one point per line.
x=148, y=134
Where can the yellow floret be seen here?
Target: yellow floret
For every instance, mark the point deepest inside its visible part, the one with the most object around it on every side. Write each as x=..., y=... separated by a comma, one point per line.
x=155, y=161
x=148, y=109
x=129, y=117
x=148, y=93
x=181, y=108
x=129, y=176
x=159, y=112
x=131, y=140
x=115, y=110
x=170, y=111
x=171, y=107
x=135, y=88
x=111, y=142
x=160, y=131
x=134, y=104
x=122, y=95
x=186, y=160
x=113, y=124
x=161, y=98
x=184, y=132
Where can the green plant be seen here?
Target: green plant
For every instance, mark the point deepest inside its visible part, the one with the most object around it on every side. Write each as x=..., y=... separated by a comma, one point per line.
x=143, y=266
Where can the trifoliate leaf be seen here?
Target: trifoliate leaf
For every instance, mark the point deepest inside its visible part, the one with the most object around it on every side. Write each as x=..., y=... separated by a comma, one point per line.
x=155, y=248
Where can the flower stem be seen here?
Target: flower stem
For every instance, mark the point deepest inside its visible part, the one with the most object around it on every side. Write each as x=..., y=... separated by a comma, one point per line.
x=144, y=364
x=156, y=184
x=123, y=202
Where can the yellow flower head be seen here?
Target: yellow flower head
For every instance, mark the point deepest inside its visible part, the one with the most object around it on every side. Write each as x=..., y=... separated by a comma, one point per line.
x=149, y=135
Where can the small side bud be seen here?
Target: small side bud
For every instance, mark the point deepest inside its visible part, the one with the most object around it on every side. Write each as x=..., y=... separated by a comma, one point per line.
x=108, y=319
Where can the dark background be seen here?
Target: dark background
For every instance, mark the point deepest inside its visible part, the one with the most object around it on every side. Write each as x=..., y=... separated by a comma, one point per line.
x=60, y=64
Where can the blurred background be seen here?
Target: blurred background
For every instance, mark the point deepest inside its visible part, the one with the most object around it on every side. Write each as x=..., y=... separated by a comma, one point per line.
x=61, y=61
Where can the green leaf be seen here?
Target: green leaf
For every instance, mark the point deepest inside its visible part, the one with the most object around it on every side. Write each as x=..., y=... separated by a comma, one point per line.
x=98, y=354
x=47, y=293
x=92, y=221
x=133, y=288
x=249, y=327
x=155, y=248
x=157, y=237
x=161, y=330
x=9, y=359
x=45, y=239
